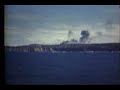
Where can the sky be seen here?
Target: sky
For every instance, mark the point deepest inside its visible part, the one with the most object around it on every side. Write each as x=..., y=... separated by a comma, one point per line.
x=49, y=24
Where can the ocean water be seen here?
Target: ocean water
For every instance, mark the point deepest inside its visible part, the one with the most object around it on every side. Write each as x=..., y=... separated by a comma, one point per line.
x=62, y=68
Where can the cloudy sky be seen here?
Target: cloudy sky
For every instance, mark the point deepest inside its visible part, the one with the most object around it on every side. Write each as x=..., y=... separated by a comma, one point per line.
x=49, y=24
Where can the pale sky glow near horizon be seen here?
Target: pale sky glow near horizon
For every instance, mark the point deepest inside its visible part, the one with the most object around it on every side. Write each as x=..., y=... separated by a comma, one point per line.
x=49, y=24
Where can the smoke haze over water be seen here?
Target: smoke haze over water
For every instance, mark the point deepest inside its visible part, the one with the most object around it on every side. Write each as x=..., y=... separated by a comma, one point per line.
x=49, y=24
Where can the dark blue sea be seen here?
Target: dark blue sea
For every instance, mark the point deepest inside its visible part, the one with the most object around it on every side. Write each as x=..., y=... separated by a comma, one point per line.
x=62, y=68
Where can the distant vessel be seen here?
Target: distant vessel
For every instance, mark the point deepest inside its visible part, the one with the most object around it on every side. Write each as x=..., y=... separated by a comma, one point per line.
x=90, y=48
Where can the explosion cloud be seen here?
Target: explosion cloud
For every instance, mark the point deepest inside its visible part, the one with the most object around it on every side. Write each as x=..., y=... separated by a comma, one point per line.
x=85, y=36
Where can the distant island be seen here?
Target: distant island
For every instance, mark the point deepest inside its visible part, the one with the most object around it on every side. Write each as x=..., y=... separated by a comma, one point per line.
x=64, y=47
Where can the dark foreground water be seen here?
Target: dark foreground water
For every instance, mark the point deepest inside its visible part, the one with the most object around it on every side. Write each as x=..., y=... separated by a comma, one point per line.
x=62, y=68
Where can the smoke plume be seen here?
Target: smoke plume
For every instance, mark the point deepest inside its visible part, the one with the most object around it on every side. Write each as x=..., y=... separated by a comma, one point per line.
x=99, y=33
x=85, y=36
x=109, y=24
x=70, y=35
